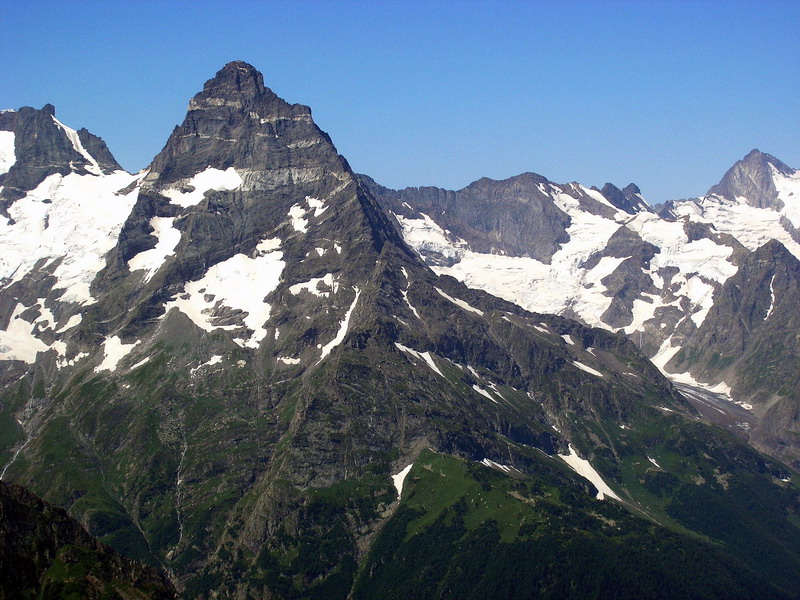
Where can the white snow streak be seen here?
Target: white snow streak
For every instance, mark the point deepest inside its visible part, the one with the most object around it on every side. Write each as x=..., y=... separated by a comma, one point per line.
x=73, y=321
x=459, y=303
x=496, y=465
x=425, y=356
x=483, y=392
x=75, y=140
x=326, y=349
x=584, y=468
x=588, y=369
x=772, y=297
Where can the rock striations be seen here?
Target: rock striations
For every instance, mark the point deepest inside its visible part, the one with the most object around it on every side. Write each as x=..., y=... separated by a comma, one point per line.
x=258, y=364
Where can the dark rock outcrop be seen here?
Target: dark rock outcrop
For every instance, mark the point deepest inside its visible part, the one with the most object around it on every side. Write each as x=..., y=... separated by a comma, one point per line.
x=628, y=199
x=750, y=339
x=44, y=553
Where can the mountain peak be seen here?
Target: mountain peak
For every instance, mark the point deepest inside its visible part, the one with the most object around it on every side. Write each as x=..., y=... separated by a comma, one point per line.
x=237, y=77
x=751, y=179
x=756, y=157
x=235, y=121
x=628, y=199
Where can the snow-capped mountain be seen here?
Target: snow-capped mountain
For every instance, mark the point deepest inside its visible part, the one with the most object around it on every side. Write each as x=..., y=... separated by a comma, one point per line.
x=63, y=201
x=606, y=258
x=256, y=384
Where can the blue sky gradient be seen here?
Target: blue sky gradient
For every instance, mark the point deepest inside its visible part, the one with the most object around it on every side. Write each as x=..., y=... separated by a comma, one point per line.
x=664, y=94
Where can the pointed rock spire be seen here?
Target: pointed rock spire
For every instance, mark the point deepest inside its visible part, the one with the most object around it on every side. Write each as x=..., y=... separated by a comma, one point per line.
x=751, y=179
x=235, y=121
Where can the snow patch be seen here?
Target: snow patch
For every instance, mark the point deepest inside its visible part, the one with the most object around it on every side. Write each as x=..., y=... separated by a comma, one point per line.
x=568, y=339
x=202, y=182
x=63, y=362
x=399, y=478
x=313, y=286
x=288, y=360
x=114, y=351
x=151, y=260
x=7, y=155
x=240, y=283
x=297, y=214
x=17, y=342
x=585, y=469
x=318, y=206
x=217, y=358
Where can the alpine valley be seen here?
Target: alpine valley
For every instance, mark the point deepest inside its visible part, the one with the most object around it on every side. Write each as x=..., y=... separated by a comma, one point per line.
x=270, y=377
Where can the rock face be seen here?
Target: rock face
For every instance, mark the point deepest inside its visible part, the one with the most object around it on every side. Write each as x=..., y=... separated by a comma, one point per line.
x=751, y=338
x=44, y=147
x=258, y=379
x=47, y=554
x=513, y=218
x=628, y=199
x=752, y=179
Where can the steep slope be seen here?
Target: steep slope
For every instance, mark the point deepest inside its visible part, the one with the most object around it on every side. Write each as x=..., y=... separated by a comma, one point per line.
x=750, y=338
x=265, y=360
x=46, y=554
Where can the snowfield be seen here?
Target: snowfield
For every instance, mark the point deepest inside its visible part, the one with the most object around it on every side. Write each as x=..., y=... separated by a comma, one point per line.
x=76, y=218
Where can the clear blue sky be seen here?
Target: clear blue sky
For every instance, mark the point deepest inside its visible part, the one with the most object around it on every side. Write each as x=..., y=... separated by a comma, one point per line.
x=664, y=94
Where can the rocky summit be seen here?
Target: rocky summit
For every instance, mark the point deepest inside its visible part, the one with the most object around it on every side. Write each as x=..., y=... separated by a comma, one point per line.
x=241, y=369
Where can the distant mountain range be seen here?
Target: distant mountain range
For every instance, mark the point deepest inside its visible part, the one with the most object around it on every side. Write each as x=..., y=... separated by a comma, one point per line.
x=707, y=288
x=272, y=378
